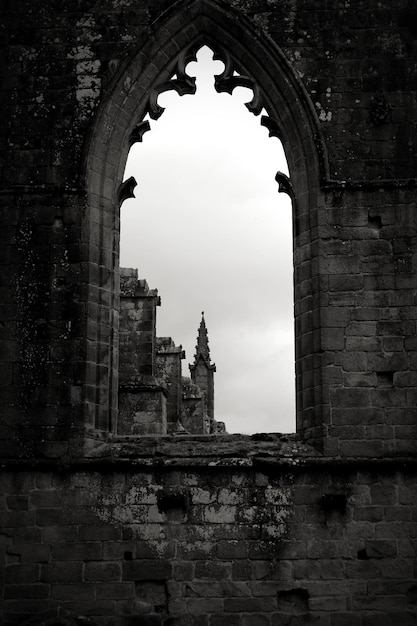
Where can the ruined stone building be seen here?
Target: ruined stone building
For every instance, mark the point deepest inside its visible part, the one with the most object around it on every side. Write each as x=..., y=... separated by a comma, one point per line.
x=103, y=523
x=154, y=397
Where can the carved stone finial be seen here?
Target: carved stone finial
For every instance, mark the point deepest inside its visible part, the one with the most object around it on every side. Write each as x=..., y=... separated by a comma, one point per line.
x=202, y=347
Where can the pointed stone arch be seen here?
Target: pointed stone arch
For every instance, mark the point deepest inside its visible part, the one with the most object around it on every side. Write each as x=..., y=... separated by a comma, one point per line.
x=252, y=60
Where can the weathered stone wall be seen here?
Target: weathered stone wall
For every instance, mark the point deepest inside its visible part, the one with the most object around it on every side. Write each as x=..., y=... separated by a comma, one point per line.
x=169, y=373
x=137, y=328
x=213, y=530
x=338, y=83
x=142, y=405
x=149, y=370
x=194, y=414
x=271, y=537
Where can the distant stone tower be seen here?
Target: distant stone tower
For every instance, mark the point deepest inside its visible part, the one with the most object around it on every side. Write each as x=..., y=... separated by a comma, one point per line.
x=202, y=369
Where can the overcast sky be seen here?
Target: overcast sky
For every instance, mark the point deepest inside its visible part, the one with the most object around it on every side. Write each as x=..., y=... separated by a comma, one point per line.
x=209, y=230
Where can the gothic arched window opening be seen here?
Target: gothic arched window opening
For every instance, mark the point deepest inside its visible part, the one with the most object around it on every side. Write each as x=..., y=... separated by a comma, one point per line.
x=209, y=231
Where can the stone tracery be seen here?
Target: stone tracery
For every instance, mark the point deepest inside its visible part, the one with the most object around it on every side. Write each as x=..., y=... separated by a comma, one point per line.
x=229, y=79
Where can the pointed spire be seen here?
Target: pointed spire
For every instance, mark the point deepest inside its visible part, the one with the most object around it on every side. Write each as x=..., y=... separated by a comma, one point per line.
x=202, y=347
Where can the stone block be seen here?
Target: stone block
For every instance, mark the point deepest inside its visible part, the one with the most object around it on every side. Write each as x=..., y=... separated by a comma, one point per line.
x=241, y=570
x=17, y=519
x=146, y=570
x=62, y=572
x=31, y=535
x=21, y=574
x=232, y=550
x=27, y=591
x=204, y=606
x=24, y=608
x=183, y=571
x=46, y=499
x=265, y=570
x=396, y=568
x=100, y=533
x=363, y=570
x=102, y=571
x=17, y=503
x=231, y=619
x=243, y=605
x=203, y=590
x=322, y=549
x=347, y=618
x=331, y=604
x=76, y=592
x=216, y=570
x=255, y=620
x=86, y=551
x=380, y=549
x=385, y=618
x=30, y=553
x=363, y=344
x=50, y=517
x=345, y=282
